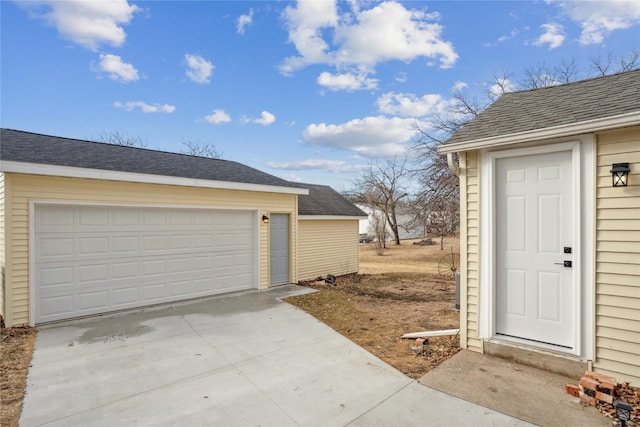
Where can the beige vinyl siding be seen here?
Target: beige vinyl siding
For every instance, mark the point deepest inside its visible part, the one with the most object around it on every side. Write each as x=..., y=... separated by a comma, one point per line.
x=327, y=247
x=617, y=299
x=469, y=246
x=2, y=240
x=25, y=188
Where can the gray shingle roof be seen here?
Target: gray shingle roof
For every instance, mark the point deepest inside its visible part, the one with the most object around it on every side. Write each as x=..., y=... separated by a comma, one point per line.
x=19, y=146
x=535, y=109
x=324, y=200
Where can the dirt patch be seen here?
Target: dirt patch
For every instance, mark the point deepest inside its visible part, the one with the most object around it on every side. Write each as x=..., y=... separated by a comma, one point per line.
x=16, y=349
x=374, y=310
x=398, y=292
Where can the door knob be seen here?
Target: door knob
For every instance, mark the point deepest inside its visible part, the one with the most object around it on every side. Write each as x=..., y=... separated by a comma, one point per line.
x=564, y=263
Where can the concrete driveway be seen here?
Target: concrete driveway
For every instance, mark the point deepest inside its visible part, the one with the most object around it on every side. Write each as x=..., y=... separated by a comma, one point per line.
x=241, y=359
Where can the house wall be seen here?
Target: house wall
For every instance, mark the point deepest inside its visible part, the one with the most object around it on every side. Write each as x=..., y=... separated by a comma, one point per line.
x=20, y=189
x=617, y=299
x=469, y=249
x=327, y=247
x=2, y=240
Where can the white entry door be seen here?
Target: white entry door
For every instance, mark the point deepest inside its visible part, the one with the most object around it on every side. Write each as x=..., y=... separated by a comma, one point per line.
x=534, y=235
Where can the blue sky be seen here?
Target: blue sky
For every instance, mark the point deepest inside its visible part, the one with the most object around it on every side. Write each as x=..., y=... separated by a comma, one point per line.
x=310, y=91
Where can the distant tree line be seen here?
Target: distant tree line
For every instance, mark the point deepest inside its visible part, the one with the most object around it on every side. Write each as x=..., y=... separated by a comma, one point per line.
x=192, y=147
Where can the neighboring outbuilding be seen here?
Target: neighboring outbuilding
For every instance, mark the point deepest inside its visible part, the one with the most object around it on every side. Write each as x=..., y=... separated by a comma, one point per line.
x=550, y=249
x=88, y=228
x=327, y=225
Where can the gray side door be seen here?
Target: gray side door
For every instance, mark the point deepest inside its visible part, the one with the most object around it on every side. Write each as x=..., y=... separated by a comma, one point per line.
x=279, y=230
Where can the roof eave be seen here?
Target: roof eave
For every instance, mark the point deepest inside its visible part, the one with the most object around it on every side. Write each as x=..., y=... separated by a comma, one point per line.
x=74, y=172
x=331, y=217
x=588, y=126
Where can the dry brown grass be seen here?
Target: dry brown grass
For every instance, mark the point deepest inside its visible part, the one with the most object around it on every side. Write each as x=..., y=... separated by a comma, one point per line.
x=16, y=349
x=407, y=257
x=395, y=293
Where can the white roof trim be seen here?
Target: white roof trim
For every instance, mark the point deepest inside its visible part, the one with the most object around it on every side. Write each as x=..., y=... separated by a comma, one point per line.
x=329, y=217
x=622, y=120
x=73, y=172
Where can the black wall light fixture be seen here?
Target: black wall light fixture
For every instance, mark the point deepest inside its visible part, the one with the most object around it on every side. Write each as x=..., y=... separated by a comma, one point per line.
x=620, y=174
x=265, y=219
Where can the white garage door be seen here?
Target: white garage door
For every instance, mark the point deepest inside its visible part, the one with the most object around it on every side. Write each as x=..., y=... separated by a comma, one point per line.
x=96, y=259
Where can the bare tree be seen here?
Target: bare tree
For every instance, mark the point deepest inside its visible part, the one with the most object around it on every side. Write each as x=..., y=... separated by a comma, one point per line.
x=201, y=149
x=382, y=187
x=612, y=63
x=437, y=204
x=122, y=138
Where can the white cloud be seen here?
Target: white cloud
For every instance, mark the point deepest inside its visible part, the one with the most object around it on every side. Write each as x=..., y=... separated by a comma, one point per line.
x=347, y=81
x=503, y=86
x=334, y=166
x=199, y=70
x=599, y=18
x=290, y=177
x=553, y=36
x=458, y=86
x=217, y=117
x=359, y=40
x=371, y=137
x=266, y=118
x=401, y=77
x=390, y=32
x=87, y=23
x=305, y=23
x=244, y=21
x=144, y=107
x=116, y=69
x=409, y=105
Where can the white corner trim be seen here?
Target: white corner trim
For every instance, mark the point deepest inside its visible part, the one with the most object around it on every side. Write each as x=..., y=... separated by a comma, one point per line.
x=571, y=129
x=73, y=172
x=330, y=217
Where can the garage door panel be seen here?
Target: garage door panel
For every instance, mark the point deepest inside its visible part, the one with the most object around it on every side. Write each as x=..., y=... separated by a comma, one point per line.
x=203, y=218
x=204, y=241
x=59, y=306
x=92, y=219
x=125, y=270
x=94, y=259
x=55, y=276
x=153, y=267
x=124, y=245
x=243, y=240
x=179, y=241
x=125, y=217
x=58, y=218
x=125, y=296
x=179, y=218
x=54, y=248
x=92, y=302
x=93, y=245
x=154, y=217
x=179, y=265
x=154, y=243
x=91, y=273
x=179, y=288
x=154, y=292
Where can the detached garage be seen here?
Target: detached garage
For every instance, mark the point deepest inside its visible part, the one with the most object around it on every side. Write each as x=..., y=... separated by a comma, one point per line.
x=89, y=228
